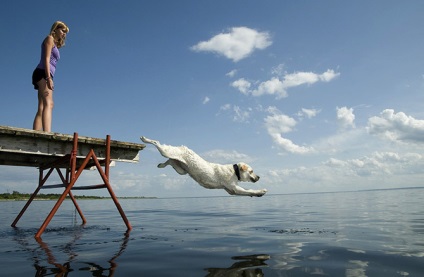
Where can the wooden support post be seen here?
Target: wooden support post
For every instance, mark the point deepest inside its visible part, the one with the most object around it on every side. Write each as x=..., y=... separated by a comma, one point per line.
x=41, y=181
x=109, y=187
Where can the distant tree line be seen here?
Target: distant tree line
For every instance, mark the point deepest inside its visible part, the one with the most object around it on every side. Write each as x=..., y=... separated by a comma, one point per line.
x=16, y=195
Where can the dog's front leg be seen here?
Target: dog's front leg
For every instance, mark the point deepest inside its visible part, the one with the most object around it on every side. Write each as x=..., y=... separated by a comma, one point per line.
x=237, y=190
x=230, y=192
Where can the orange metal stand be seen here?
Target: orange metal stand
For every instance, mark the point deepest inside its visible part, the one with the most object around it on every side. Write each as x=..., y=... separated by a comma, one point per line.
x=69, y=161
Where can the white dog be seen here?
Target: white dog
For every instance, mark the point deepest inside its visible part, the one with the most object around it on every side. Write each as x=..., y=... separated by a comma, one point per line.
x=208, y=175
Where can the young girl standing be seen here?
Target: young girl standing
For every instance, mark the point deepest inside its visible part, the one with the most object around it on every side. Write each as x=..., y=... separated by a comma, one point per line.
x=42, y=77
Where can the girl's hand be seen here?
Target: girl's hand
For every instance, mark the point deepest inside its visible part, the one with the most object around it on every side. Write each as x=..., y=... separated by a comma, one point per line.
x=50, y=83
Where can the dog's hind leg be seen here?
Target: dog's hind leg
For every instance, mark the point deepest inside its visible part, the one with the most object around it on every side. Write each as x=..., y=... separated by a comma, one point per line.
x=146, y=140
x=167, y=151
x=177, y=165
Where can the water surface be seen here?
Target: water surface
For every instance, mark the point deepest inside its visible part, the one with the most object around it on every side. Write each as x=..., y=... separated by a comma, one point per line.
x=373, y=233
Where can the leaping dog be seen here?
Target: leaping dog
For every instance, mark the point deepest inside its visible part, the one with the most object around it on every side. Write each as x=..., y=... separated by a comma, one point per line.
x=208, y=175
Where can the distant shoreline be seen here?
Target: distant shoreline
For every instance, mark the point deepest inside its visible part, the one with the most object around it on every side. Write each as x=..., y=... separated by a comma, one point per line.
x=17, y=196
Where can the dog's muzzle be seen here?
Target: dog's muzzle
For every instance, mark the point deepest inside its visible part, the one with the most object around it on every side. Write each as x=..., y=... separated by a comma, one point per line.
x=255, y=179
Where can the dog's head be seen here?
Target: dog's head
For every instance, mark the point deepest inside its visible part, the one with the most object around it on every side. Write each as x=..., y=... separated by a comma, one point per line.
x=246, y=173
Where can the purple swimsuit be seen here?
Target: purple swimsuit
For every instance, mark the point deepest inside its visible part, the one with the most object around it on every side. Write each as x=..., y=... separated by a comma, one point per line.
x=54, y=57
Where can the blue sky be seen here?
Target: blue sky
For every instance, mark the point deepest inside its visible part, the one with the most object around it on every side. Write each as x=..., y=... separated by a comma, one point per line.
x=314, y=95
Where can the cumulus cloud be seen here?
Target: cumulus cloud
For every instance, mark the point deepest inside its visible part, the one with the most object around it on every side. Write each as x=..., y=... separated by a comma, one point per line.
x=223, y=156
x=278, y=124
x=242, y=85
x=225, y=107
x=300, y=78
x=172, y=183
x=345, y=117
x=232, y=73
x=206, y=100
x=378, y=163
x=338, y=142
x=235, y=44
x=396, y=169
x=309, y=113
x=239, y=114
x=127, y=181
x=278, y=86
x=278, y=70
x=397, y=126
x=272, y=86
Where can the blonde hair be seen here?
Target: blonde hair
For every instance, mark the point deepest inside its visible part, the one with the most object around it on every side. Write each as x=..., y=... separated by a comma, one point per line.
x=58, y=25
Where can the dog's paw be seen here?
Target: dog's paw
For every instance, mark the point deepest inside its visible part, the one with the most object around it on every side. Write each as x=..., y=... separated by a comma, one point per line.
x=261, y=192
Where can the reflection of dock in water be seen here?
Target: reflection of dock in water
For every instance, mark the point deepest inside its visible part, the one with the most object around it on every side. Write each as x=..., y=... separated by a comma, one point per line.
x=53, y=152
x=71, y=263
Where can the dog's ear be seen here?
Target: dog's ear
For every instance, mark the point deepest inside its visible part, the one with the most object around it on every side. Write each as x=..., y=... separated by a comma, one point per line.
x=243, y=167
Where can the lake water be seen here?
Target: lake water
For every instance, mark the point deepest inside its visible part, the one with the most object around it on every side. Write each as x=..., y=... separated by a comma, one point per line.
x=372, y=233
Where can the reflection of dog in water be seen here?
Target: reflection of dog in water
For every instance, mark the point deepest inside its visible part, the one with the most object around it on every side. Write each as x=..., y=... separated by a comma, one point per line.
x=208, y=175
x=248, y=266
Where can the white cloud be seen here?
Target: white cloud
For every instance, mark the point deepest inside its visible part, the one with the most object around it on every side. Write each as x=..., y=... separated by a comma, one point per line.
x=397, y=126
x=206, y=100
x=232, y=73
x=366, y=172
x=328, y=76
x=278, y=86
x=241, y=115
x=127, y=181
x=301, y=78
x=379, y=163
x=309, y=113
x=349, y=139
x=236, y=44
x=278, y=70
x=288, y=145
x=225, y=107
x=172, y=182
x=242, y=85
x=272, y=86
x=278, y=124
x=345, y=117
x=223, y=156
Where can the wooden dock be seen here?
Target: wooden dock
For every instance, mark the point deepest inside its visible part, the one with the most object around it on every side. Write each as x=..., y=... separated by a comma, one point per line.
x=54, y=152
x=24, y=147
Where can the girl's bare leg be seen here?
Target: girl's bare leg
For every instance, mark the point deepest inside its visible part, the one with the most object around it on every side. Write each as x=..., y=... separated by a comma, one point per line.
x=38, y=120
x=43, y=117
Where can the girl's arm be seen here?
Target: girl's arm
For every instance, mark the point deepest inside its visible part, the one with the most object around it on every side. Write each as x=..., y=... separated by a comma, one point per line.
x=48, y=46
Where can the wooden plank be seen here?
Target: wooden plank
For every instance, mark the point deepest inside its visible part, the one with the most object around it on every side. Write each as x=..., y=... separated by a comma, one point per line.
x=24, y=147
